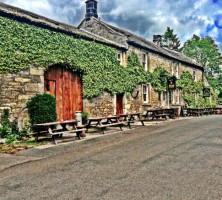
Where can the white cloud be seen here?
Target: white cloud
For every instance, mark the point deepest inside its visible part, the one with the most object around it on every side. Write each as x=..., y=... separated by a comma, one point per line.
x=143, y=17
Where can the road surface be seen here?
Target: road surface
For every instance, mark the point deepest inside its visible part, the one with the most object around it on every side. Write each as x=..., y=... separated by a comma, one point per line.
x=180, y=159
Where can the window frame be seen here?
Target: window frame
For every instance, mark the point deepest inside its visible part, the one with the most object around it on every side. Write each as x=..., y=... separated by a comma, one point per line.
x=177, y=96
x=177, y=70
x=172, y=69
x=121, y=57
x=195, y=74
x=147, y=93
x=172, y=97
x=144, y=61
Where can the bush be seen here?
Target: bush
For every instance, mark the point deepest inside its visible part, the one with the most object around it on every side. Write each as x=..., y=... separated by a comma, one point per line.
x=5, y=128
x=10, y=130
x=42, y=109
x=85, y=114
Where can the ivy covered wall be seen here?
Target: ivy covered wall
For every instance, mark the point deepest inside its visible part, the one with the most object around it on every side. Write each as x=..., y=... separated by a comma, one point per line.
x=23, y=45
x=192, y=92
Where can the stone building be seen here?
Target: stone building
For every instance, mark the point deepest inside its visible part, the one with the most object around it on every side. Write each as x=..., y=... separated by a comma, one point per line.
x=151, y=56
x=18, y=86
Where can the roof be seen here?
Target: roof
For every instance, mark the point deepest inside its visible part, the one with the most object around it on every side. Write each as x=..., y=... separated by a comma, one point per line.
x=38, y=20
x=143, y=43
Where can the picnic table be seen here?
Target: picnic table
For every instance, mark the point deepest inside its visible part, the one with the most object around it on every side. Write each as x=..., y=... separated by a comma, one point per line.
x=128, y=119
x=156, y=113
x=49, y=129
x=195, y=111
x=104, y=122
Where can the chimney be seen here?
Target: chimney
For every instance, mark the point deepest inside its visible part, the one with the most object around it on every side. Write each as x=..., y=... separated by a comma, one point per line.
x=91, y=9
x=157, y=39
x=175, y=45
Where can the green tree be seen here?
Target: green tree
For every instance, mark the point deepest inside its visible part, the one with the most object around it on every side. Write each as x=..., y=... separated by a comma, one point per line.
x=170, y=40
x=216, y=83
x=205, y=51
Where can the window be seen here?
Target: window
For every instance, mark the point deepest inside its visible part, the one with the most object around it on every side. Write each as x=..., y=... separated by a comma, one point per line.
x=119, y=57
x=172, y=96
x=159, y=96
x=196, y=97
x=178, y=95
x=172, y=69
x=144, y=61
x=164, y=94
x=195, y=75
x=177, y=70
x=145, y=93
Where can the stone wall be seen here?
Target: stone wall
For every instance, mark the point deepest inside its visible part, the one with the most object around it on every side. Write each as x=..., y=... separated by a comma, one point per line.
x=100, y=106
x=154, y=61
x=16, y=89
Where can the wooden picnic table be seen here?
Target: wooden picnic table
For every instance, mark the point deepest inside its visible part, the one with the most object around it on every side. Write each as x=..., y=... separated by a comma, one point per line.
x=49, y=128
x=195, y=111
x=104, y=122
x=131, y=118
x=160, y=113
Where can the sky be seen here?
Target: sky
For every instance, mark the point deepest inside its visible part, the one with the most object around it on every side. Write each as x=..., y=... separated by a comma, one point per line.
x=142, y=17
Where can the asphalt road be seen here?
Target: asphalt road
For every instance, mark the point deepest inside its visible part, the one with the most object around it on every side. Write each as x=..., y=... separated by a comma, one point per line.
x=176, y=160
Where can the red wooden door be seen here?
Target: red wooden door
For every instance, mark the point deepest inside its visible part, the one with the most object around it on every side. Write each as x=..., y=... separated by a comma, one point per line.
x=119, y=103
x=66, y=87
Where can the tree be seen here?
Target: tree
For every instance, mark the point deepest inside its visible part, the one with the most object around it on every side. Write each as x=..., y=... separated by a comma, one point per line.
x=216, y=83
x=170, y=40
x=204, y=51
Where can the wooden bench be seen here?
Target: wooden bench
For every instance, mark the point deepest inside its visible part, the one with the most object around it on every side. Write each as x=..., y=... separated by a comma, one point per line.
x=129, y=119
x=160, y=114
x=195, y=112
x=49, y=129
x=109, y=122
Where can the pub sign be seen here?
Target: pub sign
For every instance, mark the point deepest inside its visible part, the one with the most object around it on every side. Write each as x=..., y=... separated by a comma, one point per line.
x=171, y=83
x=206, y=92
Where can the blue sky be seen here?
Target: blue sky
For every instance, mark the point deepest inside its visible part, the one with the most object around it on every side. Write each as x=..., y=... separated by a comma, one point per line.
x=143, y=17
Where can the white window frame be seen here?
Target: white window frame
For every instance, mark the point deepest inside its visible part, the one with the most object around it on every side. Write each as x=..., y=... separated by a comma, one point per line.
x=177, y=96
x=172, y=68
x=146, y=93
x=144, y=61
x=172, y=97
x=195, y=75
x=196, y=97
x=164, y=100
x=177, y=70
x=120, y=59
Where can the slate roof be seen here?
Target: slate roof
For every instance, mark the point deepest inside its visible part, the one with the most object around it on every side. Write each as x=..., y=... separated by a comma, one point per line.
x=143, y=43
x=38, y=20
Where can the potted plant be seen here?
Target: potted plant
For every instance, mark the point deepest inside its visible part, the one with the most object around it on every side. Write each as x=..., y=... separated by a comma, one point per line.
x=85, y=116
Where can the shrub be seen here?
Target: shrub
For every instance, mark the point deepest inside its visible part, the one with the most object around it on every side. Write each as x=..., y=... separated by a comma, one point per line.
x=42, y=109
x=85, y=114
x=10, y=130
x=5, y=128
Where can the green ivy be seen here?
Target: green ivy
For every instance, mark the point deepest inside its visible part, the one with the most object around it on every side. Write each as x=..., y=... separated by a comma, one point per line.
x=189, y=87
x=159, y=82
x=23, y=45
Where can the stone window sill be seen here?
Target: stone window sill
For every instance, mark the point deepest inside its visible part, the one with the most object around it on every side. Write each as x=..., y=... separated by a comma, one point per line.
x=146, y=104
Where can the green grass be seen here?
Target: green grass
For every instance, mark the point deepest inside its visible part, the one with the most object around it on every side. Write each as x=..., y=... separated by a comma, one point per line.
x=31, y=143
x=19, y=146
